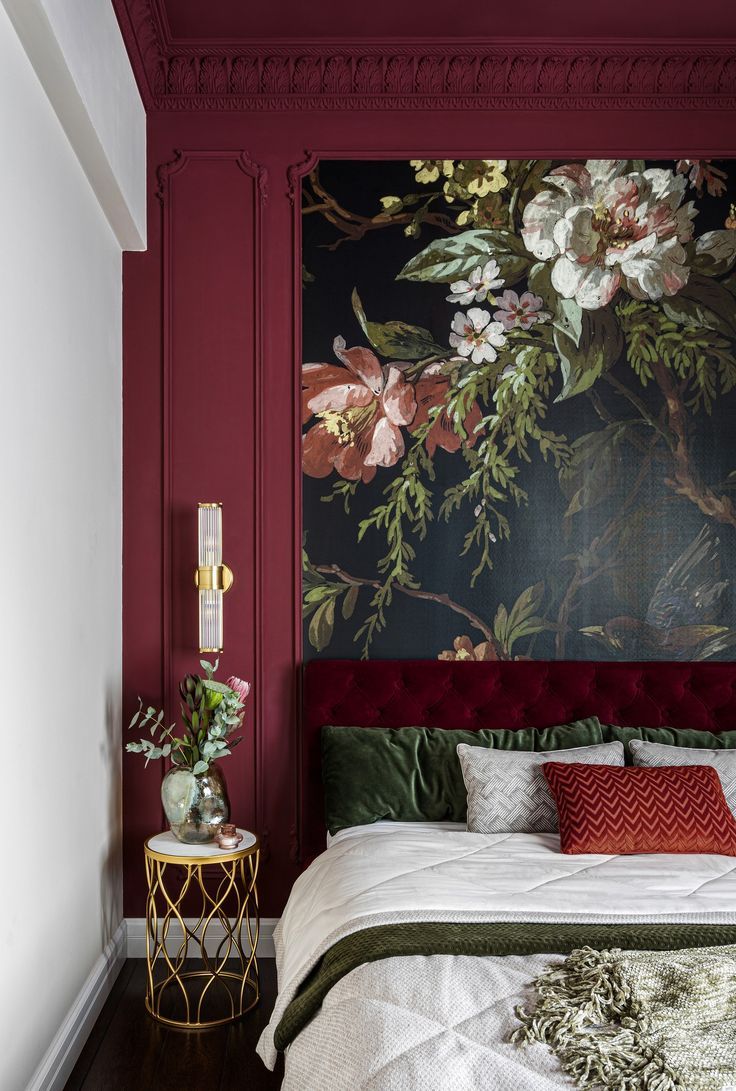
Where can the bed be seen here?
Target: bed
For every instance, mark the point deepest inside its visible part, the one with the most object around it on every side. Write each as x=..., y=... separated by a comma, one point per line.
x=405, y=948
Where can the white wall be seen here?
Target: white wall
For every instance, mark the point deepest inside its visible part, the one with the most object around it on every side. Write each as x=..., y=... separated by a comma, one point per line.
x=60, y=555
x=77, y=51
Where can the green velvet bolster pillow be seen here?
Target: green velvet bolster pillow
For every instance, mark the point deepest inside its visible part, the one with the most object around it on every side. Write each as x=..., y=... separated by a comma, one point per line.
x=671, y=736
x=412, y=774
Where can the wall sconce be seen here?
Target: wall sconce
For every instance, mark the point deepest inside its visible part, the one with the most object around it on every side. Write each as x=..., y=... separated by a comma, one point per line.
x=212, y=578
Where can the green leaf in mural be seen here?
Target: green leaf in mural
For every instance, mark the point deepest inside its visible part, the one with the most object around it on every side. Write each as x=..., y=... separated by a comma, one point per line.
x=568, y=319
x=703, y=302
x=593, y=471
x=315, y=596
x=349, y=601
x=599, y=347
x=539, y=281
x=527, y=604
x=452, y=258
x=322, y=625
x=714, y=253
x=522, y=620
x=397, y=340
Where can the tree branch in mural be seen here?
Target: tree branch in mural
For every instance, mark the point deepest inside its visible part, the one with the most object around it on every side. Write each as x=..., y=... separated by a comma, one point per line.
x=353, y=226
x=560, y=279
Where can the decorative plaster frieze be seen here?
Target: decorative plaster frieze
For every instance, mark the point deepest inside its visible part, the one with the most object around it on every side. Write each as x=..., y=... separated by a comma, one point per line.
x=424, y=74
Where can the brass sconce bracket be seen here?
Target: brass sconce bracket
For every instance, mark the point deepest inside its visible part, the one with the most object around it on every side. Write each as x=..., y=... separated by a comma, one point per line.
x=215, y=577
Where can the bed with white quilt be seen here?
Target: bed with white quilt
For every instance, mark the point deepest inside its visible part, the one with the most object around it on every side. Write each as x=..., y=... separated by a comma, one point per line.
x=408, y=950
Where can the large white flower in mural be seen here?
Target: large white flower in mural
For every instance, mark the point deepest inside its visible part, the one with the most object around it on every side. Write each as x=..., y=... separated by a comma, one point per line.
x=605, y=228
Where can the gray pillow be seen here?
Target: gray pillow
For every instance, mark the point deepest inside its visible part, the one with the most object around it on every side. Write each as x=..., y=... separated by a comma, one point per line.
x=508, y=793
x=658, y=753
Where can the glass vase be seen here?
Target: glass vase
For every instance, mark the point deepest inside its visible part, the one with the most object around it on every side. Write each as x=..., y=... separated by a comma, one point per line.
x=195, y=806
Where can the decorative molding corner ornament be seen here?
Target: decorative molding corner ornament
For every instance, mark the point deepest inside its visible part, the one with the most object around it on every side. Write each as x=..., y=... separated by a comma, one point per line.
x=255, y=170
x=421, y=74
x=164, y=172
x=167, y=170
x=296, y=171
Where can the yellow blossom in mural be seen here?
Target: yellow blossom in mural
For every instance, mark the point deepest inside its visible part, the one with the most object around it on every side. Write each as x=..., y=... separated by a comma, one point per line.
x=429, y=170
x=731, y=218
x=487, y=212
x=491, y=179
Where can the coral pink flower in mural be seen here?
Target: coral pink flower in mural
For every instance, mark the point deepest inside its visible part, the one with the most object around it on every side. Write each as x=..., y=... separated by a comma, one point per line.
x=360, y=410
x=463, y=649
x=605, y=229
x=521, y=311
x=701, y=172
x=431, y=391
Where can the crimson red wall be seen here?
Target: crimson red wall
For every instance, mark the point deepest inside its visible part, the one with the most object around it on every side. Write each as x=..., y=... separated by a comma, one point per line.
x=211, y=372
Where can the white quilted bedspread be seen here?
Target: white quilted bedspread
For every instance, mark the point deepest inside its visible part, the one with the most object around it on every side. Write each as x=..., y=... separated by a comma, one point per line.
x=387, y=1026
x=440, y=1023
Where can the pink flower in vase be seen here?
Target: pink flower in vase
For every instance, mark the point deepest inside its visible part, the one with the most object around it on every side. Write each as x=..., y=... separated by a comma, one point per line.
x=237, y=685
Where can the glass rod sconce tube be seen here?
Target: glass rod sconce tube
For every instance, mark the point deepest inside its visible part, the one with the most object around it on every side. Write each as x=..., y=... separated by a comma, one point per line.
x=212, y=578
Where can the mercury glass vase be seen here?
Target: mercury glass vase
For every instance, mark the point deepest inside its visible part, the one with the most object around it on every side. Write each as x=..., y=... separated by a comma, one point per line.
x=195, y=806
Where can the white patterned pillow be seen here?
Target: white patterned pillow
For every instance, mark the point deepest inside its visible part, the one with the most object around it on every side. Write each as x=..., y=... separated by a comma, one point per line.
x=659, y=753
x=507, y=790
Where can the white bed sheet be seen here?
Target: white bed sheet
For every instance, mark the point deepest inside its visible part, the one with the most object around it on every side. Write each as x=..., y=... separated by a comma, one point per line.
x=391, y=873
x=402, y=827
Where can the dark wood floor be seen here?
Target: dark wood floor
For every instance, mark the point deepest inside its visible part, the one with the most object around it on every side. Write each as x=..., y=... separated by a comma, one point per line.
x=127, y=1049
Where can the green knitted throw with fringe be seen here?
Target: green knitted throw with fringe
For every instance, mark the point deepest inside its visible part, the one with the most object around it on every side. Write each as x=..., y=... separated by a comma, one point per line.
x=639, y=1020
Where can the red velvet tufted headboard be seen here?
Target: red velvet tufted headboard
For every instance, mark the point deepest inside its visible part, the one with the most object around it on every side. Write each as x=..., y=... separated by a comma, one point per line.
x=433, y=693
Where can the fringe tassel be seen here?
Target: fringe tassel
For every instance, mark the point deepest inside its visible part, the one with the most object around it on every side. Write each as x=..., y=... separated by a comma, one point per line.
x=587, y=1015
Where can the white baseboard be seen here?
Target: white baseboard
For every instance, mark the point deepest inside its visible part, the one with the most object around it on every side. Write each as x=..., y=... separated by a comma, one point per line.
x=215, y=933
x=61, y=1056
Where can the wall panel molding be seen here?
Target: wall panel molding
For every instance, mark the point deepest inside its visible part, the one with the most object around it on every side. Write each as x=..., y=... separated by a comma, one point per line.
x=207, y=379
x=423, y=74
x=295, y=173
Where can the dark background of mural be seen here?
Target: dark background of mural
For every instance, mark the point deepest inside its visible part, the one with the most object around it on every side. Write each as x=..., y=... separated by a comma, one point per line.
x=543, y=543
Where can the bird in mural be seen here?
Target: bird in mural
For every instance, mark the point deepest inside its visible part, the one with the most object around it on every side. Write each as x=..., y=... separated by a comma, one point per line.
x=681, y=618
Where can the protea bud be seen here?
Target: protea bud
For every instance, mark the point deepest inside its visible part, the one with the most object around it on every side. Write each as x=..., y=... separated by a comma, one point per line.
x=190, y=689
x=237, y=685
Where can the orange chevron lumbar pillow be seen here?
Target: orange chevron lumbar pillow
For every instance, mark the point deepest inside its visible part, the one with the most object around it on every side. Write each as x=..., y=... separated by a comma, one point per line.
x=607, y=809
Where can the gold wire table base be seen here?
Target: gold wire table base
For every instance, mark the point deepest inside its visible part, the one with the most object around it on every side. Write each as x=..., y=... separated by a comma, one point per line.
x=228, y=980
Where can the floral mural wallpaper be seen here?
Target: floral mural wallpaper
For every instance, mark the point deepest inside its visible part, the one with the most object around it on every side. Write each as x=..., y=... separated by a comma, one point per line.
x=519, y=409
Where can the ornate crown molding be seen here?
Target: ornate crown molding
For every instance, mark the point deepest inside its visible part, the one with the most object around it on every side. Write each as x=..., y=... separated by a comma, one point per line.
x=421, y=74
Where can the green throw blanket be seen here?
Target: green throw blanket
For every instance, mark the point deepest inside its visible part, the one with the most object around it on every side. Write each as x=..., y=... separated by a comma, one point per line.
x=640, y=1020
x=500, y=938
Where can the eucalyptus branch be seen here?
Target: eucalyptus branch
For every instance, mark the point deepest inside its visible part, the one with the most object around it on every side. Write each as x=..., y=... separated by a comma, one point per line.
x=212, y=711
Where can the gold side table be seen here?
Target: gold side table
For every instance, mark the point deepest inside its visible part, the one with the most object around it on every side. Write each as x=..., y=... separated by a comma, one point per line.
x=226, y=986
